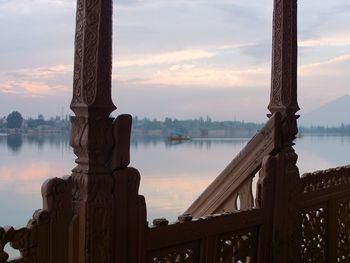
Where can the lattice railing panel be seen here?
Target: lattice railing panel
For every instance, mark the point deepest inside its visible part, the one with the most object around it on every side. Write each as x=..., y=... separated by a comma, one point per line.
x=325, y=216
x=324, y=179
x=314, y=235
x=187, y=253
x=343, y=231
x=219, y=238
x=238, y=247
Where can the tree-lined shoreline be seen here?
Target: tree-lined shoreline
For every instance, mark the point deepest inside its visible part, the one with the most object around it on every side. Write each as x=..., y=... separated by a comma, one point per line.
x=194, y=128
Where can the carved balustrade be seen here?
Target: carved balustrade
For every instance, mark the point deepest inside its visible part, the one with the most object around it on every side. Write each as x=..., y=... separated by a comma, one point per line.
x=235, y=182
x=239, y=236
x=229, y=237
x=325, y=213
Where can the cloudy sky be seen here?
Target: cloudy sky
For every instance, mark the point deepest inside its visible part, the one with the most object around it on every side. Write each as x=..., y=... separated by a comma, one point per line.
x=177, y=58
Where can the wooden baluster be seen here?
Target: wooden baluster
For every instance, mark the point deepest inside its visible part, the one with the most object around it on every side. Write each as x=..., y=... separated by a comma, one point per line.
x=57, y=199
x=92, y=131
x=265, y=194
x=245, y=194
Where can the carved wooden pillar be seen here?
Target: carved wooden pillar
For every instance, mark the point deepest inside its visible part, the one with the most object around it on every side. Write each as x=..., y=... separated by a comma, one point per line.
x=92, y=131
x=283, y=97
x=285, y=234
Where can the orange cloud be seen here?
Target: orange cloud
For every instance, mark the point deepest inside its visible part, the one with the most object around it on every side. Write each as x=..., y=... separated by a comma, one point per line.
x=209, y=77
x=34, y=87
x=7, y=87
x=337, y=40
x=42, y=73
x=163, y=58
x=331, y=66
x=25, y=87
x=35, y=81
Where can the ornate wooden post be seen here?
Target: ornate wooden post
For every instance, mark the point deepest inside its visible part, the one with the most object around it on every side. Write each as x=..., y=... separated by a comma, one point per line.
x=283, y=97
x=92, y=132
x=285, y=237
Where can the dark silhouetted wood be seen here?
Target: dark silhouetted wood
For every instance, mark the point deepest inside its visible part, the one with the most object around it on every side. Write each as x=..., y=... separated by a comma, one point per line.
x=121, y=150
x=31, y=241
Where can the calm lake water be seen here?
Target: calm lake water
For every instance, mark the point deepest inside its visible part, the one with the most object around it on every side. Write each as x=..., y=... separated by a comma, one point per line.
x=173, y=175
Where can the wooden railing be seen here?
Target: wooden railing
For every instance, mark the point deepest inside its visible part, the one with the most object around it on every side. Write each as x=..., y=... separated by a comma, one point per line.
x=239, y=236
x=235, y=182
x=217, y=238
x=325, y=213
x=266, y=233
x=53, y=234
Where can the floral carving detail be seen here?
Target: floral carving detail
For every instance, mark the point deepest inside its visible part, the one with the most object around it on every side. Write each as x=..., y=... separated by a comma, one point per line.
x=343, y=234
x=313, y=231
x=77, y=85
x=238, y=247
x=105, y=55
x=284, y=57
x=324, y=179
x=187, y=253
x=181, y=256
x=93, y=58
x=90, y=50
x=277, y=54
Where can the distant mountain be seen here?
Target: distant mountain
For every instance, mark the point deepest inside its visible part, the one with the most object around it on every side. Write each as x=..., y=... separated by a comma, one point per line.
x=333, y=113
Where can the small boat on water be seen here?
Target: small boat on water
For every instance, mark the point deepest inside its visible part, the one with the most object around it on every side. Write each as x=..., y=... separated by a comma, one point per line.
x=178, y=136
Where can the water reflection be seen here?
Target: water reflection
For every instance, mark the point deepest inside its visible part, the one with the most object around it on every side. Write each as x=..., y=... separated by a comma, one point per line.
x=14, y=142
x=322, y=152
x=172, y=175
x=22, y=172
x=197, y=142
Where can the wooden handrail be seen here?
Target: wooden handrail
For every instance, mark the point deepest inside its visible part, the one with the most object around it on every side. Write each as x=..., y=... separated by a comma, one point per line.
x=230, y=237
x=180, y=233
x=217, y=197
